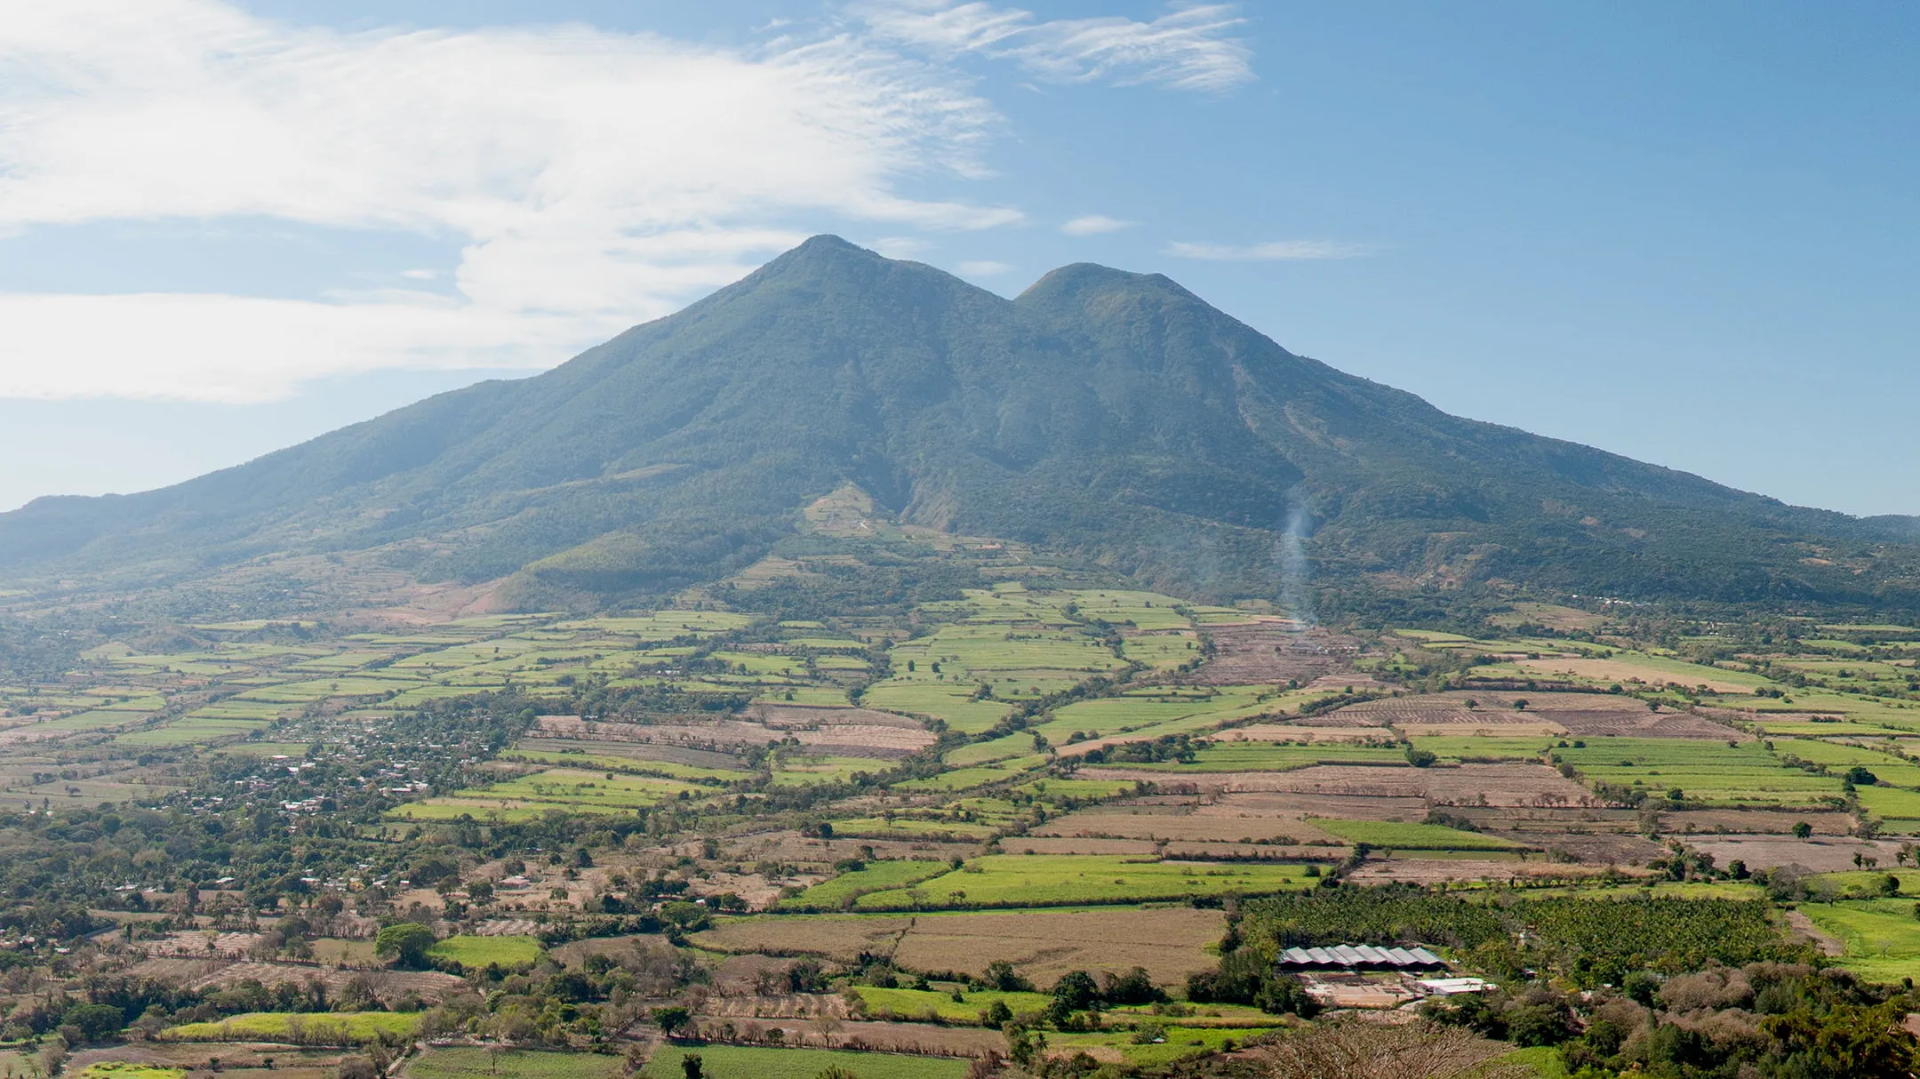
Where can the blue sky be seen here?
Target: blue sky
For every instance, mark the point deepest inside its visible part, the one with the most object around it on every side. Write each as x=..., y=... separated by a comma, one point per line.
x=1685, y=233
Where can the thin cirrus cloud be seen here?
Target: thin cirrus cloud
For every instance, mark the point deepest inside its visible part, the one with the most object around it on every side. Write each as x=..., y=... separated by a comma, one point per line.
x=1275, y=251
x=1095, y=225
x=1192, y=47
x=589, y=178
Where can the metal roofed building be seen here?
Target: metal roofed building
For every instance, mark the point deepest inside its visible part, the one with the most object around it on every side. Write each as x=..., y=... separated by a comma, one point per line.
x=1360, y=957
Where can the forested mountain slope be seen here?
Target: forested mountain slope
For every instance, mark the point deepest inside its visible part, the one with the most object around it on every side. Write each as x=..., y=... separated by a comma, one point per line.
x=1109, y=413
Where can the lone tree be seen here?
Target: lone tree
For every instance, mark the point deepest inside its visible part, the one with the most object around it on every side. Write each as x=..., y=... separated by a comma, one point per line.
x=406, y=944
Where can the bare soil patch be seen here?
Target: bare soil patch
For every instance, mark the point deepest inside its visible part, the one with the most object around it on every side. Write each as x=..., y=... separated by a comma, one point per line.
x=1438, y=871
x=1823, y=855
x=1272, y=650
x=1298, y=732
x=1804, y=929
x=1615, y=670
x=1295, y=806
x=810, y=716
x=1467, y=784
x=1047, y=844
x=387, y=984
x=1170, y=942
x=1644, y=724
x=1753, y=822
x=1610, y=849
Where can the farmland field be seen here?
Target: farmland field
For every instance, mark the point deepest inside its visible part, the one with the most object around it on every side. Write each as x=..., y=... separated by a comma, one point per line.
x=1005, y=880
x=875, y=877
x=727, y=1060
x=471, y=951
x=320, y=1027
x=1110, y=775
x=464, y=1063
x=1398, y=836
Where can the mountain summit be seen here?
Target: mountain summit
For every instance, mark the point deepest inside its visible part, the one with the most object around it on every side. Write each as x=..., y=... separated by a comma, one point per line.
x=1109, y=413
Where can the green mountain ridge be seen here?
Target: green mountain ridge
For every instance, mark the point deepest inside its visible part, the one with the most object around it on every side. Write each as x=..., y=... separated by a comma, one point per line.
x=1110, y=414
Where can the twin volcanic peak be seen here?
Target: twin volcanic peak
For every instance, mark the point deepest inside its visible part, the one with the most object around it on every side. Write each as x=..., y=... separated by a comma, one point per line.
x=1112, y=414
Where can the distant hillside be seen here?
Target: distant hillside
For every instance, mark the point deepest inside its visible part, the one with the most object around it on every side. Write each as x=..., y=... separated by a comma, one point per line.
x=1111, y=414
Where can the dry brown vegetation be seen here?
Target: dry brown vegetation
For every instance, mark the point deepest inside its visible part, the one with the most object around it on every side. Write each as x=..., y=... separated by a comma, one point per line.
x=1354, y=1048
x=1169, y=942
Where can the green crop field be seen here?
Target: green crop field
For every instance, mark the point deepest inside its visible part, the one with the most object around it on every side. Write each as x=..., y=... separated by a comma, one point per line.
x=317, y=1027
x=1890, y=802
x=571, y=788
x=953, y=703
x=610, y=762
x=1713, y=773
x=480, y=952
x=1008, y=880
x=999, y=749
x=191, y=732
x=1477, y=748
x=1392, y=835
x=812, y=771
x=1882, y=936
x=877, y=876
x=738, y=1062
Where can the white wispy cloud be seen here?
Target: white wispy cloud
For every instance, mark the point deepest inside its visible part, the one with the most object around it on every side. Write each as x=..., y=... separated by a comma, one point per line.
x=592, y=179
x=1094, y=225
x=1192, y=47
x=983, y=268
x=1274, y=251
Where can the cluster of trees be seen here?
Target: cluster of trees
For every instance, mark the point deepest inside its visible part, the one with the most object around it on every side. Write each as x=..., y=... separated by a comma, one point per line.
x=1772, y=1020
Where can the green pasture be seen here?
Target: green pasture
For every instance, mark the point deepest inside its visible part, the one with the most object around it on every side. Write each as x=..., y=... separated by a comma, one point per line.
x=813, y=771
x=1394, y=835
x=608, y=762
x=1477, y=748
x=1882, y=937
x=192, y=732
x=1006, y=880
x=1161, y=651
x=999, y=749
x=1056, y=790
x=877, y=876
x=343, y=1027
x=952, y=703
x=1890, y=801
x=480, y=952
x=1713, y=773
x=571, y=788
